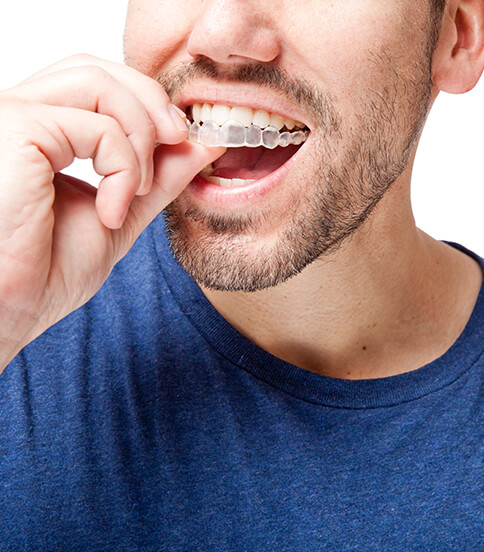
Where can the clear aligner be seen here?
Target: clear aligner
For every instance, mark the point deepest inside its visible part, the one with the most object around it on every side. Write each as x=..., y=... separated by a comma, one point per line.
x=233, y=134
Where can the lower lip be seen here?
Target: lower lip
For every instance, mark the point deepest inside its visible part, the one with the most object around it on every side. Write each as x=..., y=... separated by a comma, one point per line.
x=218, y=196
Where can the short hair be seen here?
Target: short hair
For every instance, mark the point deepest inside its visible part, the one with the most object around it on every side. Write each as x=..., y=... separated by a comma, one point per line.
x=437, y=8
x=438, y=4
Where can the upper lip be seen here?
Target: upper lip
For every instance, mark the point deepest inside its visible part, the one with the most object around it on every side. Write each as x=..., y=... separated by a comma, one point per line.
x=241, y=94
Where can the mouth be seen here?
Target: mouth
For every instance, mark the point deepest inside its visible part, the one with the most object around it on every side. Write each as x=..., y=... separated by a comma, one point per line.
x=258, y=142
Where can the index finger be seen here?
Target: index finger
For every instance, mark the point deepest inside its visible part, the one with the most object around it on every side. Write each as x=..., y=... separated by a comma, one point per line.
x=168, y=122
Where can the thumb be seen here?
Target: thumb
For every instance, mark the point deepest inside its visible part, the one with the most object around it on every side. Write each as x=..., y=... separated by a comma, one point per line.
x=174, y=168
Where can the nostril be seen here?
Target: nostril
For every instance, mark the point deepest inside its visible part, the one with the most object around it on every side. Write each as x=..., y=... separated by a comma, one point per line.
x=233, y=32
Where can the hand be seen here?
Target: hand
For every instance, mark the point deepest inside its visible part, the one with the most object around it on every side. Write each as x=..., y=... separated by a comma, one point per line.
x=60, y=237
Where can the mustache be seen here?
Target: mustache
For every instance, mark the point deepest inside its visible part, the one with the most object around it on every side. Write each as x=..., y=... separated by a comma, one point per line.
x=320, y=104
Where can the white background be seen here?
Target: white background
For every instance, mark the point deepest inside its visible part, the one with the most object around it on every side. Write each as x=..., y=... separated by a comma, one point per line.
x=448, y=186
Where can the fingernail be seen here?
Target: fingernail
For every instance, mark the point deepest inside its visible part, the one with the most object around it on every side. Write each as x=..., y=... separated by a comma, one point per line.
x=124, y=215
x=146, y=185
x=178, y=117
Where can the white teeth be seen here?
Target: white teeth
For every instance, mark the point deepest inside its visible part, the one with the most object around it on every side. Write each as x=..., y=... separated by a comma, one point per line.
x=197, y=112
x=242, y=114
x=261, y=118
x=222, y=113
x=228, y=182
x=276, y=121
x=206, y=113
x=224, y=182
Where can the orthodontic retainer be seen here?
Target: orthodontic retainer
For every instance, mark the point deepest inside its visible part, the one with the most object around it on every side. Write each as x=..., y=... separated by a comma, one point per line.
x=233, y=134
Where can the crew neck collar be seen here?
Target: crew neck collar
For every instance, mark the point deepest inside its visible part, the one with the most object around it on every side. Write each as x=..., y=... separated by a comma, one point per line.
x=306, y=385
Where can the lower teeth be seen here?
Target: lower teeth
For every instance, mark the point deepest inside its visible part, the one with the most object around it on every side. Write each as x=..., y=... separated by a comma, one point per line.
x=234, y=134
x=228, y=182
x=224, y=182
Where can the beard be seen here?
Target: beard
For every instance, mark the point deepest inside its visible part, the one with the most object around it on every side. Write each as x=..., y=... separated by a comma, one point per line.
x=335, y=190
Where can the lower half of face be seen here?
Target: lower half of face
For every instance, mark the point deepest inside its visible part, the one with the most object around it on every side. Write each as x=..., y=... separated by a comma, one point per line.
x=304, y=200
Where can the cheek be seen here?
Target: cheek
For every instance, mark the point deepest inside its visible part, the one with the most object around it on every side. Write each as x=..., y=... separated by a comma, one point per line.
x=155, y=32
x=348, y=47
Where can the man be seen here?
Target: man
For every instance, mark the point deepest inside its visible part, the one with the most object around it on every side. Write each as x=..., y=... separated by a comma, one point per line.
x=312, y=379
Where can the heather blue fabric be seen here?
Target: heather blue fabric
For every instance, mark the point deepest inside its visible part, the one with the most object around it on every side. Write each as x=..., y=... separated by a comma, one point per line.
x=144, y=422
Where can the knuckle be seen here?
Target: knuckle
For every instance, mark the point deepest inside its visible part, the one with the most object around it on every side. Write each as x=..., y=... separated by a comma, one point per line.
x=83, y=59
x=117, y=144
x=146, y=136
x=93, y=73
x=150, y=133
x=109, y=125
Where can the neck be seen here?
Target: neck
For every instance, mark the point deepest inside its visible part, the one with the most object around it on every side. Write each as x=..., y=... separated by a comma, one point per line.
x=389, y=300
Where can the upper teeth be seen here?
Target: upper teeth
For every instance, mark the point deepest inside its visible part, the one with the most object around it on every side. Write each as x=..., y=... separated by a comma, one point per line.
x=219, y=113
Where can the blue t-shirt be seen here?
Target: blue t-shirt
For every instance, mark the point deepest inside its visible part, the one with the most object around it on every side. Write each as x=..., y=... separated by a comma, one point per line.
x=145, y=422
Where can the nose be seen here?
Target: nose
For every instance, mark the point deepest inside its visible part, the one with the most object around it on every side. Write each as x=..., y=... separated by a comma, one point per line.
x=234, y=32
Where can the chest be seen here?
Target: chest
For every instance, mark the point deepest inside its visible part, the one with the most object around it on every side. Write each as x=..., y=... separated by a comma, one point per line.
x=203, y=478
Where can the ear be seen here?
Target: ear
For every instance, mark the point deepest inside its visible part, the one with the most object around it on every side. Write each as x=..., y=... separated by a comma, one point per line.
x=459, y=57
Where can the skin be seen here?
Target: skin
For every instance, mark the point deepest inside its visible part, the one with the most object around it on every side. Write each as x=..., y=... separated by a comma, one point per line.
x=408, y=297
x=59, y=238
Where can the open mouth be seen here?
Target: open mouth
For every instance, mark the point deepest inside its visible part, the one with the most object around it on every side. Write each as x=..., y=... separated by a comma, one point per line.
x=258, y=142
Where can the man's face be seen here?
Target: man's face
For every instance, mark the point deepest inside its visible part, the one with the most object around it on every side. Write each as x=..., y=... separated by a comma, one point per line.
x=355, y=72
